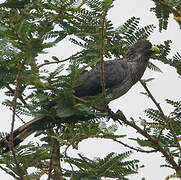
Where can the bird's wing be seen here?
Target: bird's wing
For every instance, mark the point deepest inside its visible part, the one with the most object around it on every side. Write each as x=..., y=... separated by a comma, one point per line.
x=115, y=72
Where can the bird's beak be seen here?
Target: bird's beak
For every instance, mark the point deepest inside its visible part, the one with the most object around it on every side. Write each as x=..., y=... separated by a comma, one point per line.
x=155, y=48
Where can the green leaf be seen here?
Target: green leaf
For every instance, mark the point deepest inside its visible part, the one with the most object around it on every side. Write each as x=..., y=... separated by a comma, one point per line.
x=3, y=28
x=65, y=112
x=147, y=80
x=83, y=108
x=55, y=58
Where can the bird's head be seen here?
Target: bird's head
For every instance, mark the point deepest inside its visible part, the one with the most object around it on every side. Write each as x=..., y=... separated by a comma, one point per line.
x=142, y=50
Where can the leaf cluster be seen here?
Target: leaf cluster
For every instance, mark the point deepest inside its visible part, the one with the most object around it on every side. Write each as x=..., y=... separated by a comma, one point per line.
x=163, y=10
x=30, y=156
x=97, y=168
x=26, y=31
x=164, y=129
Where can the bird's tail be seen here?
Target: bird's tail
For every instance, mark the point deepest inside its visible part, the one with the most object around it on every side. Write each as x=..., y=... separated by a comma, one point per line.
x=20, y=134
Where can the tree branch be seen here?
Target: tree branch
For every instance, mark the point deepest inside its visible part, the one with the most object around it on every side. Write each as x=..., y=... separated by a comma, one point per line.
x=11, y=145
x=153, y=99
x=121, y=118
x=135, y=149
x=19, y=96
x=85, y=102
x=103, y=85
x=169, y=123
x=60, y=61
x=55, y=159
x=8, y=172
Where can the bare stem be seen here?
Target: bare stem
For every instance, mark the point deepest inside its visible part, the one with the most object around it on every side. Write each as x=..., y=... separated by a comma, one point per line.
x=135, y=149
x=8, y=172
x=169, y=123
x=60, y=61
x=120, y=118
x=19, y=96
x=102, y=58
x=55, y=159
x=11, y=145
x=85, y=102
x=153, y=99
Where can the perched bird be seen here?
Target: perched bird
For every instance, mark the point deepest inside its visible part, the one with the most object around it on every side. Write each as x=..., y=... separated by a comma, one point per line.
x=119, y=75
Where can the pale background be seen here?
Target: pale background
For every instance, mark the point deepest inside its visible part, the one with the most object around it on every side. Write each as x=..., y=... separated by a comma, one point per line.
x=165, y=85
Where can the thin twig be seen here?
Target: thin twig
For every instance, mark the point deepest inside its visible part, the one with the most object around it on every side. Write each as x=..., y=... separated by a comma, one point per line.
x=170, y=159
x=11, y=144
x=153, y=99
x=55, y=158
x=169, y=123
x=8, y=172
x=19, y=96
x=60, y=61
x=135, y=149
x=18, y=117
x=157, y=105
x=164, y=117
x=65, y=152
x=103, y=85
x=85, y=102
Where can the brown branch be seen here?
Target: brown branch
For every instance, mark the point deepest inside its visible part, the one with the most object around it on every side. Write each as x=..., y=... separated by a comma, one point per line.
x=55, y=158
x=19, y=96
x=8, y=172
x=157, y=105
x=60, y=61
x=120, y=118
x=11, y=145
x=135, y=149
x=19, y=117
x=103, y=85
x=169, y=123
x=85, y=102
x=153, y=99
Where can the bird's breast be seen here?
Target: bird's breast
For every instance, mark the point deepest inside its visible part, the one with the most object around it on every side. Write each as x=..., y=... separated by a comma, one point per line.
x=137, y=70
x=119, y=90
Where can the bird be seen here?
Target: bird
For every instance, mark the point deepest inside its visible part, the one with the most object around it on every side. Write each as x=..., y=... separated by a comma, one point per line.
x=119, y=76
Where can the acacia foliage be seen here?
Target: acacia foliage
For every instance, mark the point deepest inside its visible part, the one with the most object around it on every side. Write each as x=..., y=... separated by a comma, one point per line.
x=27, y=30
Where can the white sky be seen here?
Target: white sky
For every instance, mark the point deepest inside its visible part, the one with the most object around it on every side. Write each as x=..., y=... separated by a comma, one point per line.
x=133, y=103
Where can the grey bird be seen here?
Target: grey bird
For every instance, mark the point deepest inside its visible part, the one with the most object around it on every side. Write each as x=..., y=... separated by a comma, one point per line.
x=119, y=75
